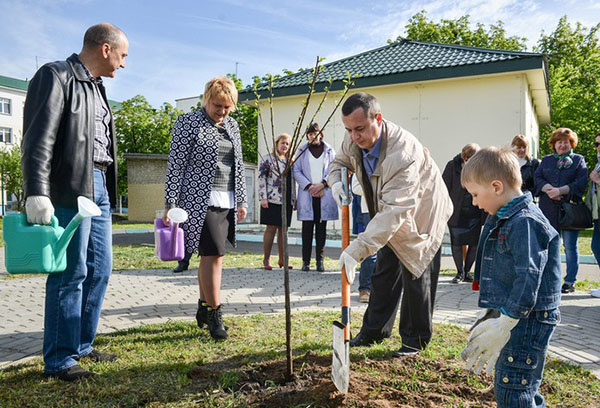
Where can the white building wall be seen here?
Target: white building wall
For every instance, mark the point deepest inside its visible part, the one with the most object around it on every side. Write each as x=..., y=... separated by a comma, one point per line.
x=186, y=104
x=13, y=121
x=444, y=115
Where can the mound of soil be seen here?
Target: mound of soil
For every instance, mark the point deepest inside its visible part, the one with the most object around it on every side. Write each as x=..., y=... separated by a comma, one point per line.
x=373, y=383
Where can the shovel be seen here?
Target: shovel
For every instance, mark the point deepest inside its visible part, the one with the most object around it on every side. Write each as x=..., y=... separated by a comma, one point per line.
x=340, y=368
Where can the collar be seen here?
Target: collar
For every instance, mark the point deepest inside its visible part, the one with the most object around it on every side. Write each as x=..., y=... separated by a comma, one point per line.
x=79, y=70
x=515, y=205
x=374, y=152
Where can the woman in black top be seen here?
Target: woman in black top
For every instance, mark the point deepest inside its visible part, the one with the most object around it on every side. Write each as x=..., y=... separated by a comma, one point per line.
x=520, y=147
x=466, y=221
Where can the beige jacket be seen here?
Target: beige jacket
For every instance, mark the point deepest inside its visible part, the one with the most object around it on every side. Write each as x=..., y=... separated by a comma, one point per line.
x=412, y=202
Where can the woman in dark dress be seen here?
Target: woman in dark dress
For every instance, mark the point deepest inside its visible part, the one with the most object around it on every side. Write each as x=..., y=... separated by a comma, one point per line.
x=205, y=177
x=520, y=147
x=271, y=197
x=466, y=221
x=562, y=176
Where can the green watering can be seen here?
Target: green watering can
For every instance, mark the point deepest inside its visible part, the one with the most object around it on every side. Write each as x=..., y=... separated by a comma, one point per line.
x=36, y=248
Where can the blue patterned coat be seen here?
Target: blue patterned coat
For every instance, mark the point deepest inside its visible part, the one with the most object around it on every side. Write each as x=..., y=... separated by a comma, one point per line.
x=191, y=168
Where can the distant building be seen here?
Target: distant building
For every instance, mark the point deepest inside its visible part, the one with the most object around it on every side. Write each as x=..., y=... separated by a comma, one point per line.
x=186, y=104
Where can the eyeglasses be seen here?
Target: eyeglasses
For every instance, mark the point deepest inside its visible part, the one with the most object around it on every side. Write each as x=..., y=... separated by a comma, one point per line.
x=596, y=144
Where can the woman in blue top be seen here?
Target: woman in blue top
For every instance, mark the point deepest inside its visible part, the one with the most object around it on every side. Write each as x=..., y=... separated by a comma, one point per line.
x=562, y=176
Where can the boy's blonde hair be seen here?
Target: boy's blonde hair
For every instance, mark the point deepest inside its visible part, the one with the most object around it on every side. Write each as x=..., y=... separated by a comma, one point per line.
x=492, y=163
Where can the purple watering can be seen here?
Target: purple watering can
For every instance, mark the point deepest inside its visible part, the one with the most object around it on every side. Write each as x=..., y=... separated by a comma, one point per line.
x=168, y=240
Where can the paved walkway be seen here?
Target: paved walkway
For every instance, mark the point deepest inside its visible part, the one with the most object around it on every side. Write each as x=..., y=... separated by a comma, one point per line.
x=151, y=296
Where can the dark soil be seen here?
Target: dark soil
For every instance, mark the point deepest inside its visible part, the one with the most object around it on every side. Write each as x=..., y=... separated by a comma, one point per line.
x=373, y=383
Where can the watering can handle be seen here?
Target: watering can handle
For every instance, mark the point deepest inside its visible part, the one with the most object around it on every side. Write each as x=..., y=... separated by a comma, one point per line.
x=53, y=221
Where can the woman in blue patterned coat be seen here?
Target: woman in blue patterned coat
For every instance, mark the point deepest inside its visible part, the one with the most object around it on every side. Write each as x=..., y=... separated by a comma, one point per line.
x=205, y=177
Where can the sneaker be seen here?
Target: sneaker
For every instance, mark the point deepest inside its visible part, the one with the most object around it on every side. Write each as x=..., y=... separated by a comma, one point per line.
x=567, y=288
x=73, y=373
x=468, y=277
x=99, y=356
x=457, y=278
x=363, y=296
x=363, y=340
x=406, y=351
x=595, y=293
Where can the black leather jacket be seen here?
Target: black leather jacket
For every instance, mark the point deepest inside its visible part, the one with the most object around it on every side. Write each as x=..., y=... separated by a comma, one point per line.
x=58, y=138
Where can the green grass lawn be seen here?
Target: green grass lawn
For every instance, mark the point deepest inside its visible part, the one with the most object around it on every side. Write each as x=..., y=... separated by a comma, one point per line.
x=157, y=365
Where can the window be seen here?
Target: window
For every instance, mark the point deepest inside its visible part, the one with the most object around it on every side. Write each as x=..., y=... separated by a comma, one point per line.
x=5, y=106
x=5, y=135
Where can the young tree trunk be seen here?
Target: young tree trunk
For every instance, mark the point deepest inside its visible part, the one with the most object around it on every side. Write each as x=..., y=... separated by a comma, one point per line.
x=289, y=372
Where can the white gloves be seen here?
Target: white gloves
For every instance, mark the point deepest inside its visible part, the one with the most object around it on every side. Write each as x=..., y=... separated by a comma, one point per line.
x=350, y=264
x=338, y=194
x=39, y=209
x=486, y=342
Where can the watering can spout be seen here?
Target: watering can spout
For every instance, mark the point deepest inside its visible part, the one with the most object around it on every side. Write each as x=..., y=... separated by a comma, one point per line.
x=86, y=208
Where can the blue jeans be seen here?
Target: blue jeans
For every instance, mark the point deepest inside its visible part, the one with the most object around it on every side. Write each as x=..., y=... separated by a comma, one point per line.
x=74, y=297
x=572, y=254
x=520, y=366
x=596, y=242
x=367, y=267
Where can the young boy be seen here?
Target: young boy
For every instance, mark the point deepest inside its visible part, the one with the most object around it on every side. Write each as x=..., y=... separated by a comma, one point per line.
x=518, y=269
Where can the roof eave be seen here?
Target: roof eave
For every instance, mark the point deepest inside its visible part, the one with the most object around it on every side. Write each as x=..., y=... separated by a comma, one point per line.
x=428, y=74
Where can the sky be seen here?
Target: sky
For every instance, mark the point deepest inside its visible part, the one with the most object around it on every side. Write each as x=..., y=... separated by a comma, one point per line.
x=177, y=46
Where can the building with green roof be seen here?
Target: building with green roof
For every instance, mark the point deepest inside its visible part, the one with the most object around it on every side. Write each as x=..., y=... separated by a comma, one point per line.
x=446, y=95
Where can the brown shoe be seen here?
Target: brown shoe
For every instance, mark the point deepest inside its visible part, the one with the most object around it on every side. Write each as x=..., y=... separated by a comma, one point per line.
x=363, y=296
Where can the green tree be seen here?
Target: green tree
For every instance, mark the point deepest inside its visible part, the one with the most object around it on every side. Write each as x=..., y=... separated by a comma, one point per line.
x=142, y=129
x=12, y=176
x=574, y=80
x=461, y=32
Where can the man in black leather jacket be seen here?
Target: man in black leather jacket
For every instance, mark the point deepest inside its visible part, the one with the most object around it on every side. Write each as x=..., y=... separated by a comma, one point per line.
x=69, y=150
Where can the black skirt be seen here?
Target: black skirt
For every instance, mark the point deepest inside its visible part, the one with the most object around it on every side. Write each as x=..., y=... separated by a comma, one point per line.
x=272, y=215
x=467, y=235
x=216, y=230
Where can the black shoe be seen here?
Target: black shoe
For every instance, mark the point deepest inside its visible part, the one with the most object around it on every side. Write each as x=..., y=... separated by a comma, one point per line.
x=468, y=277
x=406, y=351
x=74, y=373
x=320, y=266
x=99, y=356
x=567, y=288
x=215, y=323
x=202, y=313
x=362, y=339
x=181, y=266
x=457, y=278
x=305, y=266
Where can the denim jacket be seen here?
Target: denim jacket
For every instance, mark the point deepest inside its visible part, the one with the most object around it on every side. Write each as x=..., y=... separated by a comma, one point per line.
x=518, y=261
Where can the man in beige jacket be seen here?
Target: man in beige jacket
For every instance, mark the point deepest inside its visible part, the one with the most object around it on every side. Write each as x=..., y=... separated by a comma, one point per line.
x=409, y=207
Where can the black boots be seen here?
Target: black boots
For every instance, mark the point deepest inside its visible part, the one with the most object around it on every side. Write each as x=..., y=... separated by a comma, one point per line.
x=181, y=266
x=306, y=266
x=462, y=278
x=202, y=313
x=215, y=323
x=320, y=266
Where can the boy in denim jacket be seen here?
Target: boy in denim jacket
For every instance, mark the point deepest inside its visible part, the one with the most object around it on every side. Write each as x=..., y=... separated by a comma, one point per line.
x=518, y=269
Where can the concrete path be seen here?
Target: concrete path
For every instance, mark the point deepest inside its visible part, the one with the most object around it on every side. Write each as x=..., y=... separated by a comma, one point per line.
x=151, y=296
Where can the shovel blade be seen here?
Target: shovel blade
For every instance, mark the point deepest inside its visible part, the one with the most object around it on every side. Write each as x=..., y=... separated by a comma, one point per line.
x=340, y=367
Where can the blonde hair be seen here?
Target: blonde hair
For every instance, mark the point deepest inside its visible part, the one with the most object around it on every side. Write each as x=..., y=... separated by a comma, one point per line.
x=469, y=150
x=521, y=141
x=563, y=133
x=492, y=163
x=220, y=86
x=281, y=136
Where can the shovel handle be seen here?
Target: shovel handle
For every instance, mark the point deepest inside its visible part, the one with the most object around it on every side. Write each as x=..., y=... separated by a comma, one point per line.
x=345, y=243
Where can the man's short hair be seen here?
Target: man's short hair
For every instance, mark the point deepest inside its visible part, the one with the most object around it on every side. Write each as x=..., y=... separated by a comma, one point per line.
x=222, y=86
x=492, y=163
x=362, y=100
x=103, y=33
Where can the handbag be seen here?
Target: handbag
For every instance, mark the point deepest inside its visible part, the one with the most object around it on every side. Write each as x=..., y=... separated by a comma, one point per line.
x=574, y=215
